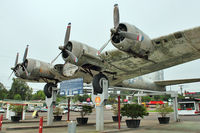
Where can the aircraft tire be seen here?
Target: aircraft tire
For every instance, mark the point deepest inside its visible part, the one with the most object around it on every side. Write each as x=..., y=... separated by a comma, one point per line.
x=48, y=89
x=97, y=83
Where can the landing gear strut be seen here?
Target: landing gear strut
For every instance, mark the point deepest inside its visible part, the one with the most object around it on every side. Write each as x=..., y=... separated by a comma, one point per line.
x=48, y=89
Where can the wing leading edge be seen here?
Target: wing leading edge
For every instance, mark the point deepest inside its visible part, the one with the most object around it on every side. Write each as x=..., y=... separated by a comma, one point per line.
x=175, y=82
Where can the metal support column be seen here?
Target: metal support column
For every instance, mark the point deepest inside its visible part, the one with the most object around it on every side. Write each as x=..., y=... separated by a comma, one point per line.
x=99, y=101
x=100, y=118
x=119, y=120
x=174, y=95
x=175, y=105
x=68, y=109
x=140, y=97
x=50, y=102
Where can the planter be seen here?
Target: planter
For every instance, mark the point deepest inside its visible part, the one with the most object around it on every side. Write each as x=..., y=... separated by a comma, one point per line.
x=133, y=123
x=15, y=118
x=115, y=118
x=57, y=118
x=164, y=120
x=82, y=121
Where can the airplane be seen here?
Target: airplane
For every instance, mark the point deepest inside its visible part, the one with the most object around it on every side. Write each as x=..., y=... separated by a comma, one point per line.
x=136, y=53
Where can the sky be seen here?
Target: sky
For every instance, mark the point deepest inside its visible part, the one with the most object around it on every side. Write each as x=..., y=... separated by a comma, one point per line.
x=42, y=25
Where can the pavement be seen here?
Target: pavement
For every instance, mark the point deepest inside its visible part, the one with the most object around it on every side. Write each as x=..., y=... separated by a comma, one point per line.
x=146, y=126
x=149, y=124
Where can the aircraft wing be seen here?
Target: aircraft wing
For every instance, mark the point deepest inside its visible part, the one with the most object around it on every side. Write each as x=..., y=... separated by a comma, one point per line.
x=169, y=50
x=175, y=82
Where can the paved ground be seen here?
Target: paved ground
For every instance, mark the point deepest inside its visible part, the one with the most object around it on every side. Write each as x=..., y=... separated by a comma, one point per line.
x=148, y=125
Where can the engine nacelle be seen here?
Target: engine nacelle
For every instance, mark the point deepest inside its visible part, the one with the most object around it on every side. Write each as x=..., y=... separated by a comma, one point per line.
x=135, y=47
x=38, y=68
x=78, y=49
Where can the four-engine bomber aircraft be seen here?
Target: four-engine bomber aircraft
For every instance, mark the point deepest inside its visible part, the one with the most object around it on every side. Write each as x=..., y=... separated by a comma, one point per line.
x=136, y=55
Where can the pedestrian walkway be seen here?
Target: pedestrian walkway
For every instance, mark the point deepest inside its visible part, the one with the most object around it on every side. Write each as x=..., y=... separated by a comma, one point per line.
x=147, y=126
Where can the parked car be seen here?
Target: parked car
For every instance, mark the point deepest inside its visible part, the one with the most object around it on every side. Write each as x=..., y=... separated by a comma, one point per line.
x=30, y=109
x=2, y=110
x=43, y=109
x=78, y=109
x=65, y=110
x=72, y=108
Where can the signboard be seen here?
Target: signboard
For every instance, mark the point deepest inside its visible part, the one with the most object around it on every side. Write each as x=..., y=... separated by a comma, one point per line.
x=71, y=87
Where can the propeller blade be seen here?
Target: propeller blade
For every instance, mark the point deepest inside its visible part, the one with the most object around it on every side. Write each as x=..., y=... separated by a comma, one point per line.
x=116, y=16
x=72, y=55
x=25, y=53
x=56, y=58
x=10, y=74
x=102, y=48
x=67, y=34
x=16, y=61
x=131, y=36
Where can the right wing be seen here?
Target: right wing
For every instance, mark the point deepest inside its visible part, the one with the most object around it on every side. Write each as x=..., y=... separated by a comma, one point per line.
x=170, y=50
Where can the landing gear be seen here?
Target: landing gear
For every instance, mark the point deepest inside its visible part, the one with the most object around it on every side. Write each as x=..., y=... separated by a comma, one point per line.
x=48, y=89
x=97, y=83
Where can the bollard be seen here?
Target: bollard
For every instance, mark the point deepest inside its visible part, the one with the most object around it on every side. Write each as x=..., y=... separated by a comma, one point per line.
x=72, y=127
x=1, y=119
x=41, y=125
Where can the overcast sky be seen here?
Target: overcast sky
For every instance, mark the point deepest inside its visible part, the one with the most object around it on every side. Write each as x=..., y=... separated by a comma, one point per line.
x=42, y=24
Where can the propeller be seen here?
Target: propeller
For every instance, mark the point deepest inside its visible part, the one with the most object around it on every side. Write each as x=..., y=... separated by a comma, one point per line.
x=120, y=32
x=117, y=30
x=116, y=24
x=64, y=47
x=16, y=65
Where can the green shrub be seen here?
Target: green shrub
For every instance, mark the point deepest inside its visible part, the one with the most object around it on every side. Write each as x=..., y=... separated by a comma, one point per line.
x=18, y=109
x=58, y=111
x=86, y=110
x=164, y=109
x=133, y=111
x=115, y=108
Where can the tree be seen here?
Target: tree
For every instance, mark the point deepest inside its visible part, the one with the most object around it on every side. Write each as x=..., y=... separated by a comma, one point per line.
x=75, y=98
x=61, y=99
x=146, y=99
x=83, y=98
x=21, y=88
x=39, y=95
x=17, y=97
x=3, y=92
x=111, y=100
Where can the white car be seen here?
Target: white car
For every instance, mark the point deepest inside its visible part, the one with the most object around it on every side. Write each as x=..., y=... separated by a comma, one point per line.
x=2, y=110
x=78, y=109
x=65, y=110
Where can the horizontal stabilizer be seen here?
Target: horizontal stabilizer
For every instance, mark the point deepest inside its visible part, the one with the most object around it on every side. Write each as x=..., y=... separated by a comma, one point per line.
x=175, y=82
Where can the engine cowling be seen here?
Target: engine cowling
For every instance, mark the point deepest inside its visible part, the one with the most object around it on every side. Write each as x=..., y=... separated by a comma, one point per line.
x=135, y=47
x=78, y=49
x=38, y=68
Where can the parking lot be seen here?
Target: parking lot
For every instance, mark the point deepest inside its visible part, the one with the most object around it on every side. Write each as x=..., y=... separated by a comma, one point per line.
x=149, y=124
